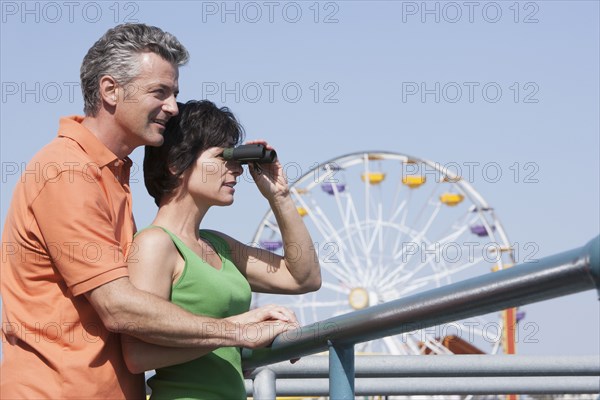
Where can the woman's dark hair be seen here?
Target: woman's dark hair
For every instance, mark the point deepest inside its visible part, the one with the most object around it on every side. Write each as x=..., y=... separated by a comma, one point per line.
x=198, y=126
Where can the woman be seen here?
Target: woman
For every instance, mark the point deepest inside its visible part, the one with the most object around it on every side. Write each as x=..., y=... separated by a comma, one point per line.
x=204, y=271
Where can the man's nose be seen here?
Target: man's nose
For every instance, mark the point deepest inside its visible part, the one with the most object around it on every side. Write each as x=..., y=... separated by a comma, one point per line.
x=170, y=106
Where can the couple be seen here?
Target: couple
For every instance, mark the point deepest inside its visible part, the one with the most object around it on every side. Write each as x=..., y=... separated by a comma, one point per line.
x=85, y=324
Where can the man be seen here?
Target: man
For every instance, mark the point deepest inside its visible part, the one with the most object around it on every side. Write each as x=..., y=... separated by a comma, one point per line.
x=64, y=279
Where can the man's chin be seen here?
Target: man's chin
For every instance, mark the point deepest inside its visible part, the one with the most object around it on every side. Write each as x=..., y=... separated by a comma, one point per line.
x=157, y=141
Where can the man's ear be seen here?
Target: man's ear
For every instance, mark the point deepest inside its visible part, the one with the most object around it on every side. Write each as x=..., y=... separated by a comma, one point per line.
x=109, y=90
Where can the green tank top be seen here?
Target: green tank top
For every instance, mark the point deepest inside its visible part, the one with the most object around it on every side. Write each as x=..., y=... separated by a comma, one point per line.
x=202, y=289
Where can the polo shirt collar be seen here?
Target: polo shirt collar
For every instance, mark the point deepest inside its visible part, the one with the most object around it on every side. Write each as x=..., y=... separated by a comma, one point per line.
x=71, y=128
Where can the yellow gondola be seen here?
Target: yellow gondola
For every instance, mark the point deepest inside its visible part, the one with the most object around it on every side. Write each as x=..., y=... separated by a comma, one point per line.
x=413, y=181
x=302, y=211
x=373, y=177
x=446, y=178
x=451, y=199
x=502, y=249
x=496, y=267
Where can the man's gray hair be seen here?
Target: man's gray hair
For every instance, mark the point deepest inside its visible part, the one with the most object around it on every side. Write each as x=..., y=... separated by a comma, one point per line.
x=116, y=54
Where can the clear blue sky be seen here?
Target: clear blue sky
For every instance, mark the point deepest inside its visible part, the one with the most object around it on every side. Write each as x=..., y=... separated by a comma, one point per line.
x=510, y=83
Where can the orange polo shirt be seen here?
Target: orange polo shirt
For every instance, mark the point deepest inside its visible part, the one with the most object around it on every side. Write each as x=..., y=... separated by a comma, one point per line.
x=67, y=232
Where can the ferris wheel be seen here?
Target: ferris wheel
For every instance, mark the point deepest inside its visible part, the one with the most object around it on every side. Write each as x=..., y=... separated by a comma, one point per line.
x=387, y=225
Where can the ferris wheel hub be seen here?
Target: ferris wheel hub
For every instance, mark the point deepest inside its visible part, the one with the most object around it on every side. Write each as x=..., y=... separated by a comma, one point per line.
x=358, y=298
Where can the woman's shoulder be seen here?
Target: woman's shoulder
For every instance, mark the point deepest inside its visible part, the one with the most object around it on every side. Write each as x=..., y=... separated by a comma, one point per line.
x=155, y=238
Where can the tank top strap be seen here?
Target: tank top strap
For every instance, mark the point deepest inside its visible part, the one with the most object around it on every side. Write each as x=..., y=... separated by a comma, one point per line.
x=217, y=242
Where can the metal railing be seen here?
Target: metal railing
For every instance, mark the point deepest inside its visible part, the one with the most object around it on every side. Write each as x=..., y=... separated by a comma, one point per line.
x=418, y=375
x=554, y=276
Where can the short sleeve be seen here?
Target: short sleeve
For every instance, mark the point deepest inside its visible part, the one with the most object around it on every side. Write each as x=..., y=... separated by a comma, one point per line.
x=75, y=218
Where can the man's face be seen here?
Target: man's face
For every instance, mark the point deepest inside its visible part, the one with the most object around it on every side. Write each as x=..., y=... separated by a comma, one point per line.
x=145, y=104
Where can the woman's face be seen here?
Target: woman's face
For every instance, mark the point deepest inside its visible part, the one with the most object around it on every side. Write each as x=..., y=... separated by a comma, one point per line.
x=212, y=179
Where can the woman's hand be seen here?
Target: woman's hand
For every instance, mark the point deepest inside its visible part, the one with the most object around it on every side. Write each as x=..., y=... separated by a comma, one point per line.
x=269, y=177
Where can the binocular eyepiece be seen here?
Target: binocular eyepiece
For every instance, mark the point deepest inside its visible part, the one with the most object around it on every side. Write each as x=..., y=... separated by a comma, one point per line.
x=250, y=153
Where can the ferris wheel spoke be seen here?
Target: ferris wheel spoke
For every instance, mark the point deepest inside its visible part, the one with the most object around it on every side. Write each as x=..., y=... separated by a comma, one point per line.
x=440, y=272
x=366, y=188
x=423, y=232
x=324, y=226
x=335, y=260
x=377, y=231
x=434, y=264
x=409, y=274
x=451, y=271
x=357, y=224
x=417, y=238
x=426, y=203
x=405, y=289
x=337, y=268
x=392, y=345
x=412, y=343
x=405, y=212
x=392, y=276
x=339, y=273
x=319, y=218
x=432, y=217
x=496, y=347
x=438, y=348
x=345, y=217
x=400, y=236
x=396, y=280
x=352, y=216
x=381, y=246
x=335, y=288
x=394, y=207
x=336, y=303
x=459, y=229
x=399, y=209
x=273, y=226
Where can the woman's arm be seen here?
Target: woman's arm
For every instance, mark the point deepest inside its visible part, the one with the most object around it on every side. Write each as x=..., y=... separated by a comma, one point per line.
x=298, y=271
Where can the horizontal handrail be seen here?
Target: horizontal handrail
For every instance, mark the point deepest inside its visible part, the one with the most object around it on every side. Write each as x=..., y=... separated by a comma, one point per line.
x=425, y=375
x=440, y=386
x=558, y=275
x=472, y=365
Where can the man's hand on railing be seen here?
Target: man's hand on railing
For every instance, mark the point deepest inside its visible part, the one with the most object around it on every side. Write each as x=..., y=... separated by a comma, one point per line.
x=258, y=327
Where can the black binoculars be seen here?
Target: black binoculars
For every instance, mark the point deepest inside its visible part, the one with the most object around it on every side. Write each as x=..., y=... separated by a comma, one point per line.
x=250, y=153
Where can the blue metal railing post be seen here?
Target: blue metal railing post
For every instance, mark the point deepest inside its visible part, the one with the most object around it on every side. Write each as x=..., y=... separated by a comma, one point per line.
x=341, y=371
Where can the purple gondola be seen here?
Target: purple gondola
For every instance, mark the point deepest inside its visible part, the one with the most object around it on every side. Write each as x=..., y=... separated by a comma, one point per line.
x=328, y=187
x=520, y=315
x=271, y=245
x=480, y=230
